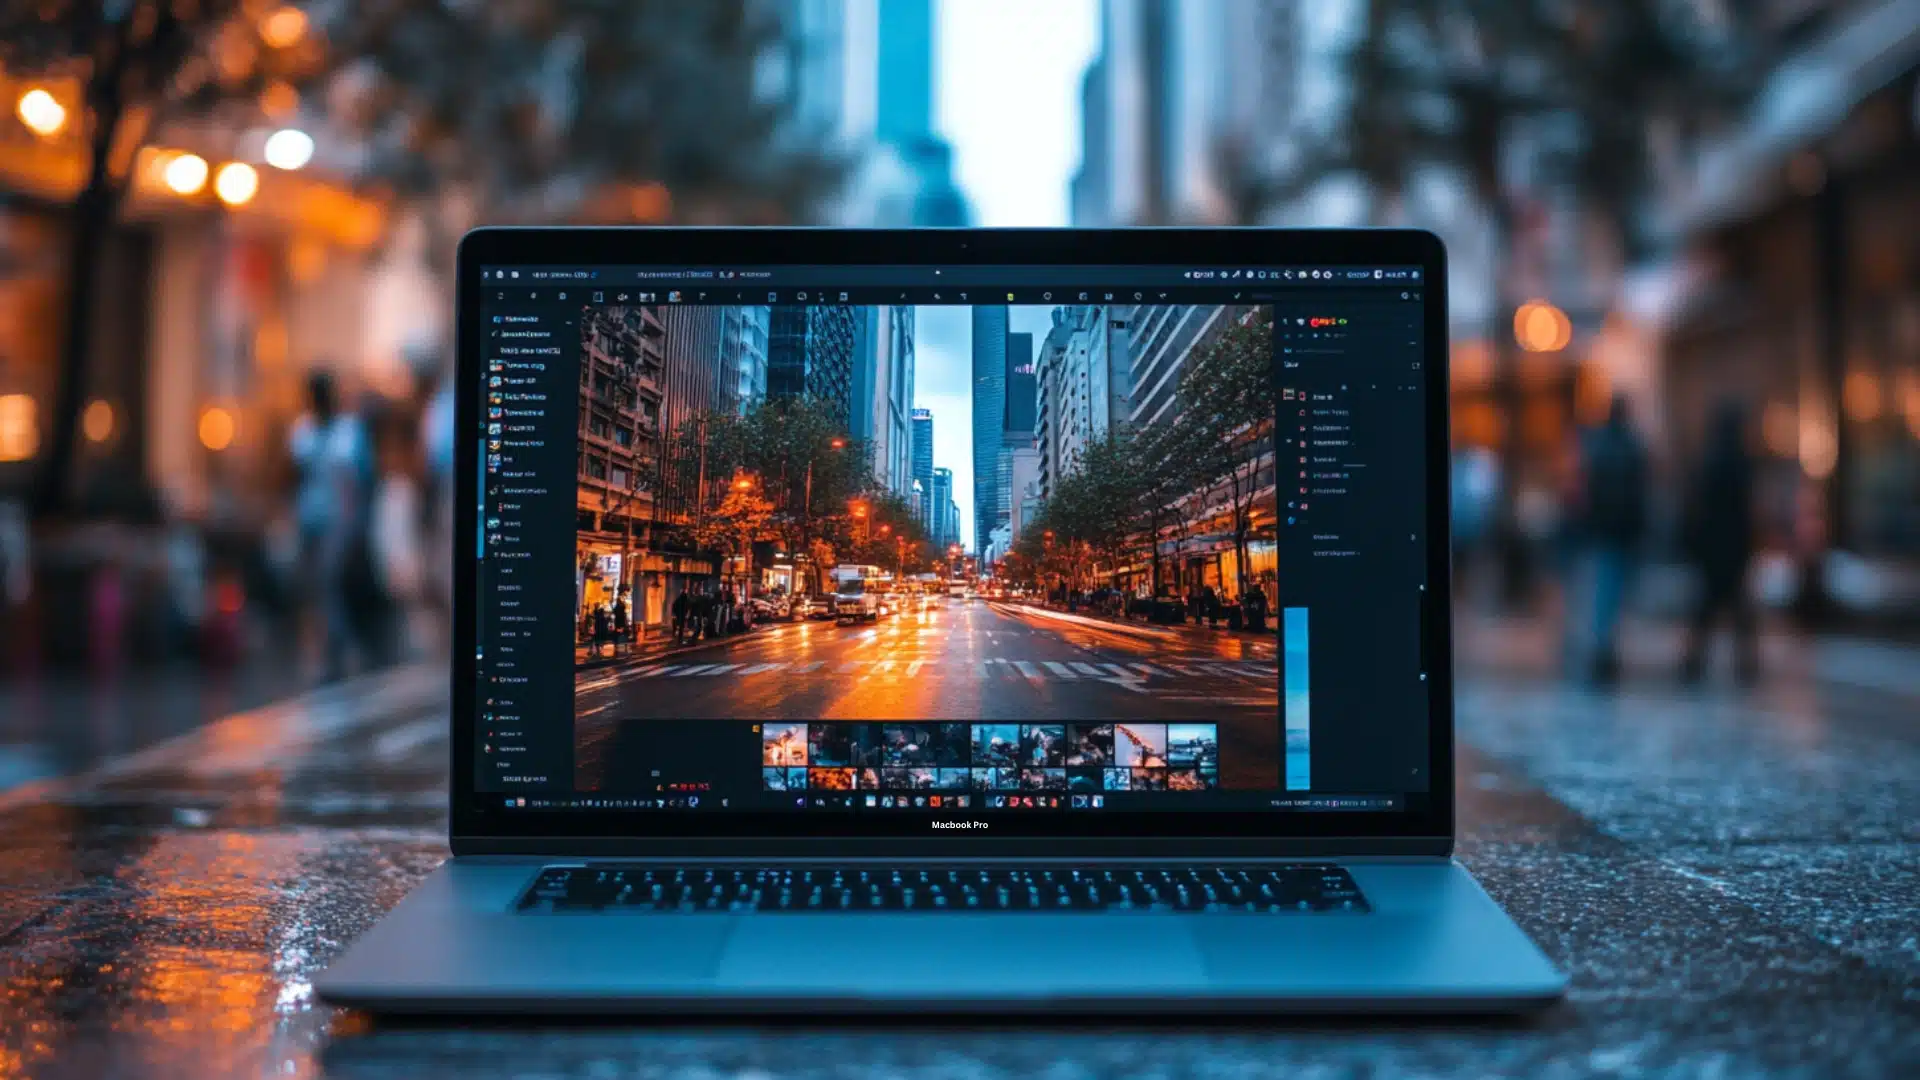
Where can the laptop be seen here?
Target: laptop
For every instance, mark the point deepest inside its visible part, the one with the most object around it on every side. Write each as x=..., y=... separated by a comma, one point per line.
x=977, y=620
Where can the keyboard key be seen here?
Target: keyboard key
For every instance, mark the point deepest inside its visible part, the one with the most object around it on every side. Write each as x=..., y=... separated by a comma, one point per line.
x=1288, y=889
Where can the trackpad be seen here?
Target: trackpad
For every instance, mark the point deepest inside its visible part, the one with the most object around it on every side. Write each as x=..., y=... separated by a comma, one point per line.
x=949, y=955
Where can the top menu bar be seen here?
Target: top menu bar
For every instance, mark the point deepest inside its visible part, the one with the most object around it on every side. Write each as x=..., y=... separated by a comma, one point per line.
x=908, y=276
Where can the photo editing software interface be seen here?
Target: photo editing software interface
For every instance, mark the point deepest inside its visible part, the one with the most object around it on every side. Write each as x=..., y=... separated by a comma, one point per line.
x=858, y=539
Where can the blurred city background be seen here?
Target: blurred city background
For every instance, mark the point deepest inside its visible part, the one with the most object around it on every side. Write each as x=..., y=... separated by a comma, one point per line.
x=1685, y=282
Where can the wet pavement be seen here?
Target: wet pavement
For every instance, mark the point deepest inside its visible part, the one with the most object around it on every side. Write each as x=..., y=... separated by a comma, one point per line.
x=945, y=661
x=1727, y=876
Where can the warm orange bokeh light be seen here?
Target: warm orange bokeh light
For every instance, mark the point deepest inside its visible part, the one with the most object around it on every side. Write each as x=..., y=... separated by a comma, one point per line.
x=41, y=112
x=1540, y=327
x=19, y=427
x=185, y=174
x=97, y=422
x=236, y=183
x=216, y=428
x=283, y=27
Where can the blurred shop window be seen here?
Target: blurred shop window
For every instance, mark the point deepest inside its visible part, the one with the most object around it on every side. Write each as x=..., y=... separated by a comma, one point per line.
x=31, y=252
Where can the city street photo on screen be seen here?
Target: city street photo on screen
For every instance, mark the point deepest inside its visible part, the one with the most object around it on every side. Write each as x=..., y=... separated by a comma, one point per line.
x=923, y=536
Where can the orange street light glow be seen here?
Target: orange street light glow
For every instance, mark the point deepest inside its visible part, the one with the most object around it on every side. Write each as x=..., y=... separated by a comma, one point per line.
x=283, y=27
x=186, y=174
x=236, y=183
x=97, y=422
x=216, y=428
x=40, y=112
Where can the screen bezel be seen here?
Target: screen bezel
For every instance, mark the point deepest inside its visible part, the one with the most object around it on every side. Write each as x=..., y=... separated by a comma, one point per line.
x=480, y=829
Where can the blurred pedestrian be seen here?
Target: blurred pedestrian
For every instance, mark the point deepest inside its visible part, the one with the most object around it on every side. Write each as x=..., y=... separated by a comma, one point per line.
x=1476, y=508
x=333, y=483
x=398, y=619
x=436, y=441
x=622, y=617
x=1718, y=534
x=682, y=603
x=602, y=628
x=1613, y=517
x=1210, y=605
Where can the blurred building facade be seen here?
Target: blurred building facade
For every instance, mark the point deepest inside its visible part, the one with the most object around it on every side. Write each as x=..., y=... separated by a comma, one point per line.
x=1796, y=290
x=857, y=77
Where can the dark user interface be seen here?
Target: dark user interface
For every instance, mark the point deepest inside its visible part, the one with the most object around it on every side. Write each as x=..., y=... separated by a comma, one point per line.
x=918, y=539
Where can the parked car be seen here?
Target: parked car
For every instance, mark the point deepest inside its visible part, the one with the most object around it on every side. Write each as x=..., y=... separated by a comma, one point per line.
x=809, y=606
x=769, y=608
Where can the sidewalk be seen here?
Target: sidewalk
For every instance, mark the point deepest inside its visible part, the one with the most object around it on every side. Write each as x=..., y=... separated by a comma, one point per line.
x=651, y=649
x=1535, y=648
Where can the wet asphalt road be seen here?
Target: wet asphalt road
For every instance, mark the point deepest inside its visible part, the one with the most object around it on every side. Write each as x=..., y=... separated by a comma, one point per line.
x=956, y=660
x=1727, y=876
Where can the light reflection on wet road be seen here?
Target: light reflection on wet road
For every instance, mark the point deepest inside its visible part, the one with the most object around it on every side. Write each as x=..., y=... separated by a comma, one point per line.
x=956, y=661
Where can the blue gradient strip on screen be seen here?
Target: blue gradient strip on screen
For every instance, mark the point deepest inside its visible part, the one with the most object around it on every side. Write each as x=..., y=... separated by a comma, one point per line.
x=1293, y=635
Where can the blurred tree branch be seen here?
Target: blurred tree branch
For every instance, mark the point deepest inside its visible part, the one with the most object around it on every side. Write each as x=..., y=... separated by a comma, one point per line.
x=532, y=110
x=1521, y=95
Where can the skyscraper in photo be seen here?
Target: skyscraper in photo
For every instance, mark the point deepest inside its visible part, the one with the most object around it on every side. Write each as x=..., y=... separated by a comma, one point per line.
x=701, y=374
x=810, y=353
x=883, y=392
x=923, y=465
x=743, y=341
x=946, y=521
x=989, y=420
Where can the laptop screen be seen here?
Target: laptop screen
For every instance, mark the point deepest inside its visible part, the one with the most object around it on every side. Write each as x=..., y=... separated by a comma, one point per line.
x=966, y=544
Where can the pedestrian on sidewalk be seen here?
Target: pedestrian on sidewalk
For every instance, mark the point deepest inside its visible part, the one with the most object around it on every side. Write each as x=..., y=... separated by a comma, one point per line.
x=682, y=602
x=622, y=618
x=1717, y=532
x=1254, y=602
x=602, y=628
x=1210, y=604
x=1613, y=519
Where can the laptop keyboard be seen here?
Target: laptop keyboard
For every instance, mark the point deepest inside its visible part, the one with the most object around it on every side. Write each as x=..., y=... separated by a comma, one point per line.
x=1300, y=888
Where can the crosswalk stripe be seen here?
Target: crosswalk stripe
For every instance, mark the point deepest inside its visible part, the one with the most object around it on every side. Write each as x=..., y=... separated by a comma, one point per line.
x=851, y=666
x=1120, y=671
x=758, y=668
x=1086, y=669
x=914, y=668
x=1027, y=669
x=1059, y=669
x=648, y=672
x=883, y=665
x=1149, y=669
x=1249, y=669
x=692, y=669
x=814, y=666
x=720, y=669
